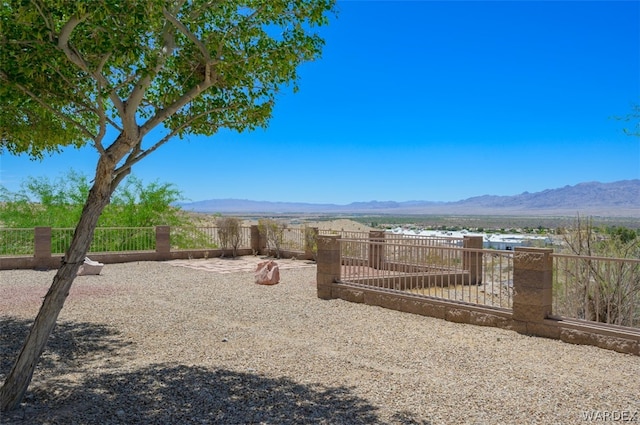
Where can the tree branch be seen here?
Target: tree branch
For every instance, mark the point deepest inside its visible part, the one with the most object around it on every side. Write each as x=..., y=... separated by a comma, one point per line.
x=48, y=107
x=76, y=58
x=191, y=36
x=47, y=21
x=163, y=114
x=168, y=44
x=136, y=156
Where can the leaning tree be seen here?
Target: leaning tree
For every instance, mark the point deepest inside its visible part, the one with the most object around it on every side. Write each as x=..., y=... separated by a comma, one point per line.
x=127, y=76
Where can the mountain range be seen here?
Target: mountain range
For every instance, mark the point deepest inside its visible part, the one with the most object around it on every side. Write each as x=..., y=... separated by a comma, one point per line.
x=617, y=199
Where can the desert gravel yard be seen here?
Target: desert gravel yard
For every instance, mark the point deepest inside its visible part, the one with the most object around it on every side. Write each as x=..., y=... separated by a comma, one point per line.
x=201, y=343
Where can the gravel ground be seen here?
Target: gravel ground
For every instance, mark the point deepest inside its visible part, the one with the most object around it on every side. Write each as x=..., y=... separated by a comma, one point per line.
x=153, y=343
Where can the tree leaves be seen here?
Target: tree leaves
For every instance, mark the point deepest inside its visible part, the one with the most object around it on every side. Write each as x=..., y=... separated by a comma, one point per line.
x=70, y=70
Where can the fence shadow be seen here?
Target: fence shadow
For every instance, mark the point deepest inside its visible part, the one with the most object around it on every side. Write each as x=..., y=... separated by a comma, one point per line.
x=166, y=393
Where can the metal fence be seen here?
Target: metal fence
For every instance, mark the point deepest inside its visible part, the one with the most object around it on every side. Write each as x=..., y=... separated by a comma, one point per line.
x=429, y=268
x=293, y=239
x=425, y=240
x=206, y=238
x=597, y=289
x=16, y=241
x=344, y=234
x=108, y=239
x=20, y=242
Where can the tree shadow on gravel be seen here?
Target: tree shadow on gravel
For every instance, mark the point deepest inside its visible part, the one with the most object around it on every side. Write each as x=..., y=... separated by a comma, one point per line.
x=169, y=394
x=70, y=345
x=163, y=393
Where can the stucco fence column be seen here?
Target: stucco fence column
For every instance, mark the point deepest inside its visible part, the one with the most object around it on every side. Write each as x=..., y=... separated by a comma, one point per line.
x=42, y=247
x=472, y=259
x=376, y=249
x=533, y=291
x=328, y=265
x=163, y=242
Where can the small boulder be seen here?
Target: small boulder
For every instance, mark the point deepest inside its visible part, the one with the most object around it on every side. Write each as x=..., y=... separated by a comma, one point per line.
x=267, y=273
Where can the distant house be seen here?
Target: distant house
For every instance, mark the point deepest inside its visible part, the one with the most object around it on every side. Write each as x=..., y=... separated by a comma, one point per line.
x=493, y=241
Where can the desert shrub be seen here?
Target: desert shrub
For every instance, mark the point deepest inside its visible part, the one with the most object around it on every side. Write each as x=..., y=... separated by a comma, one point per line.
x=273, y=231
x=229, y=233
x=598, y=289
x=311, y=241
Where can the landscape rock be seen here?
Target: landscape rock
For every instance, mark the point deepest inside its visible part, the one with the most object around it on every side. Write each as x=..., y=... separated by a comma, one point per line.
x=267, y=273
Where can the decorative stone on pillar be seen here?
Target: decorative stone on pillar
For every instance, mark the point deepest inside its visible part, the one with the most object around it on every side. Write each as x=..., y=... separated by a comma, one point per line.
x=533, y=289
x=328, y=265
x=163, y=242
x=472, y=260
x=376, y=249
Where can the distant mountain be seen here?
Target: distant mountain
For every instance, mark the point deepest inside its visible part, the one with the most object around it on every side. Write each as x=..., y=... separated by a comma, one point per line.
x=618, y=199
x=623, y=194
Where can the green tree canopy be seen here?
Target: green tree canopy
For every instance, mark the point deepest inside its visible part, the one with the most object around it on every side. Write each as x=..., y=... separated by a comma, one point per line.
x=72, y=70
x=58, y=203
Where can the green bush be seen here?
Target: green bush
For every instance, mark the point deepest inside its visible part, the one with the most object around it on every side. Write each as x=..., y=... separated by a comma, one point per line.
x=58, y=203
x=135, y=208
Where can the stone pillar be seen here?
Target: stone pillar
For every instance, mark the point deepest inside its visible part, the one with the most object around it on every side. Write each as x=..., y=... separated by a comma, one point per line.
x=376, y=249
x=328, y=265
x=163, y=242
x=42, y=247
x=472, y=259
x=532, y=289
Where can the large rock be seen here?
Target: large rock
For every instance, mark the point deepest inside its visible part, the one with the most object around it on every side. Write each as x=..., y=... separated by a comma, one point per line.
x=267, y=273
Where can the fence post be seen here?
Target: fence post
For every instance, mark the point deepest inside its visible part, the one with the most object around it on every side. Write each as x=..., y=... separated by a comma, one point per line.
x=472, y=260
x=42, y=246
x=328, y=265
x=532, y=289
x=163, y=242
x=376, y=249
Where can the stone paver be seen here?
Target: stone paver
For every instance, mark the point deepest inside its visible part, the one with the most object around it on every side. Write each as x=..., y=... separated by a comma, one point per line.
x=238, y=264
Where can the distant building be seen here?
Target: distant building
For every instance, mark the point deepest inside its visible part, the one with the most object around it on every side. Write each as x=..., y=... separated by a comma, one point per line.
x=492, y=241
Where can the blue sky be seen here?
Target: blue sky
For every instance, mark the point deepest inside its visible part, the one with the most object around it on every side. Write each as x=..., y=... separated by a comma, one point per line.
x=425, y=100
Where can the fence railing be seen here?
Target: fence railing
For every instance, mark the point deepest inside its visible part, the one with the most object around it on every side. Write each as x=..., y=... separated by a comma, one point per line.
x=528, y=290
x=431, y=268
x=108, y=239
x=597, y=289
x=293, y=239
x=16, y=241
x=206, y=238
x=344, y=233
x=425, y=240
x=41, y=247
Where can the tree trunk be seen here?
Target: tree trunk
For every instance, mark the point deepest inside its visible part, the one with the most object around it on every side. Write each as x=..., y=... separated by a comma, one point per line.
x=19, y=378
